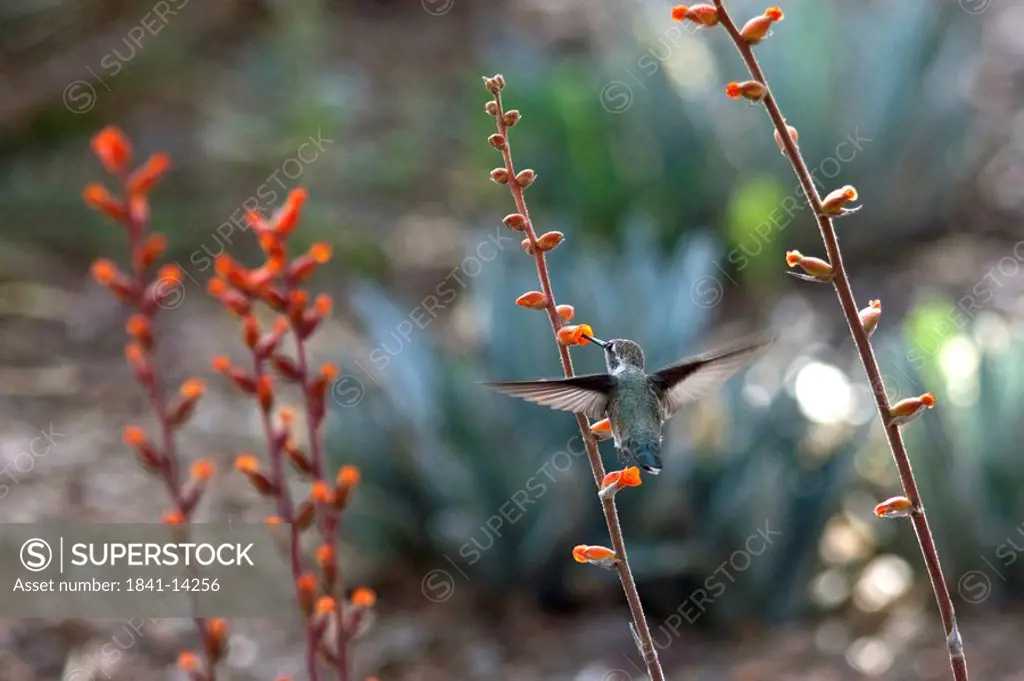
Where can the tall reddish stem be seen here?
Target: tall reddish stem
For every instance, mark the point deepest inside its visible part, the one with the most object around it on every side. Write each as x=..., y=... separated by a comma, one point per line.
x=841, y=283
x=611, y=514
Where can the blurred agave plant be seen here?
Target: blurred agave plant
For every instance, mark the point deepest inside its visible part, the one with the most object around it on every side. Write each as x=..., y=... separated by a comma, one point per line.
x=496, y=492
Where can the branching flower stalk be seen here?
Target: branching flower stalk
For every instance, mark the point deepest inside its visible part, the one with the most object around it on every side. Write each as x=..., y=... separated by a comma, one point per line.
x=331, y=622
x=148, y=294
x=558, y=315
x=861, y=323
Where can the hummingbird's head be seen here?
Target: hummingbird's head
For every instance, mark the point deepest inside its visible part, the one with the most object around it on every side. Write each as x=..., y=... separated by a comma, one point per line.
x=619, y=352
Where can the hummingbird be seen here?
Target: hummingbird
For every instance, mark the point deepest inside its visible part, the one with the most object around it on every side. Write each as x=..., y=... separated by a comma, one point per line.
x=636, y=403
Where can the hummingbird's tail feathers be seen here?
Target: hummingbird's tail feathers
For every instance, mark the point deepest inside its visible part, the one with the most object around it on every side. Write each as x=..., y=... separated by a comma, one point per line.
x=645, y=455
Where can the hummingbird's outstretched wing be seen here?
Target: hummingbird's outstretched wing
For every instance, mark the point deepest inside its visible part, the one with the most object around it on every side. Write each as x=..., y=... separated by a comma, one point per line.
x=694, y=377
x=581, y=394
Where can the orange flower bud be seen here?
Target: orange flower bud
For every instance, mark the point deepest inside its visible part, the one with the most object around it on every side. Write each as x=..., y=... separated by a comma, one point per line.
x=188, y=661
x=793, y=135
x=265, y=392
x=174, y=518
x=703, y=14
x=148, y=174
x=104, y=271
x=497, y=141
x=532, y=300
x=527, y=246
x=287, y=219
x=618, y=480
x=364, y=597
x=324, y=605
x=134, y=435
x=139, y=328
x=499, y=176
x=112, y=148
x=515, y=221
x=834, y=205
x=595, y=555
x=221, y=364
x=170, y=274
x=566, y=312
x=321, y=493
x=323, y=305
x=907, y=410
x=816, y=268
x=348, y=476
x=305, y=585
x=524, y=178
x=549, y=241
x=193, y=389
x=325, y=554
x=98, y=198
x=216, y=638
x=870, y=316
x=895, y=507
x=757, y=29
x=247, y=463
x=751, y=89
x=202, y=470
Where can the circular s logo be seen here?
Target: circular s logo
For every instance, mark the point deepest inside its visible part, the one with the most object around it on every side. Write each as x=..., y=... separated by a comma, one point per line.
x=36, y=555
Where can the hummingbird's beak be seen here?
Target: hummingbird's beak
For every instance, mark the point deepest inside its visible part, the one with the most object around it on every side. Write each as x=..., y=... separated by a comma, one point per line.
x=597, y=341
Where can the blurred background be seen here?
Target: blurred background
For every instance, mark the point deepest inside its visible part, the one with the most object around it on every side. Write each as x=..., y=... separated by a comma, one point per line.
x=756, y=551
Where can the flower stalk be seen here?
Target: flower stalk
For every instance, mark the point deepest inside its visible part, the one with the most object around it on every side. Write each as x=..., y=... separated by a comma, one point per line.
x=537, y=247
x=148, y=293
x=834, y=206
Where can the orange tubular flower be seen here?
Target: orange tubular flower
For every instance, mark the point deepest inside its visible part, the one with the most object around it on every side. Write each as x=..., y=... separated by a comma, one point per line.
x=145, y=177
x=703, y=14
x=595, y=555
x=364, y=597
x=112, y=148
x=894, y=507
x=816, y=268
x=202, y=470
x=750, y=89
x=834, y=205
x=98, y=198
x=907, y=410
x=575, y=335
x=602, y=430
x=619, y=480
x=757, y=28
x=286, y=220
x=870, y=316
x=532, y=300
